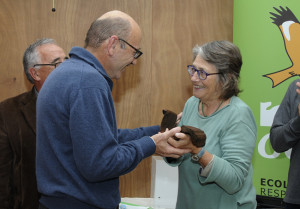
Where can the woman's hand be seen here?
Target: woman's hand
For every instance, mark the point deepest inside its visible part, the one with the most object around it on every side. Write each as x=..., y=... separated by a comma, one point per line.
x=184, y=142
x=163, y=147
x=178, y=118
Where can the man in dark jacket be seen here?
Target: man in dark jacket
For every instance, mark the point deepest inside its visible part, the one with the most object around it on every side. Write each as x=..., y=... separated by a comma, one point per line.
x=285, y=135
x=18, y=188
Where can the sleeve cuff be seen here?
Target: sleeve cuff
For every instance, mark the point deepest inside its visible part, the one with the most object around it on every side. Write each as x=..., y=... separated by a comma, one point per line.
x=205, y=172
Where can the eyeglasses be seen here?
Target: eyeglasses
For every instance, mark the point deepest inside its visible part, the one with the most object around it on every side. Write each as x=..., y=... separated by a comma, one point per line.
x=137, y=53
x=201, y=73
x=50, y=64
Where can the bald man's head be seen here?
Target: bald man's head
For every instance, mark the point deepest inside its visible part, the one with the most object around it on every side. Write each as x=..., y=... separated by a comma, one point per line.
x=111, y=23
x=114, y=14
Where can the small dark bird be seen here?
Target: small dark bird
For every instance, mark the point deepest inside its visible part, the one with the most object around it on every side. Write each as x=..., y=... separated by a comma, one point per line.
x=169, y=120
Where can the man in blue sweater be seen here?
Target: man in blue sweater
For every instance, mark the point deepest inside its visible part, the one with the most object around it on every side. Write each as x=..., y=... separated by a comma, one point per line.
x=80, y=151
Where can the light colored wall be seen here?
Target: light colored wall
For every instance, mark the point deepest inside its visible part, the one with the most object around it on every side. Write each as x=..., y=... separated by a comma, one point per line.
x=159, y=81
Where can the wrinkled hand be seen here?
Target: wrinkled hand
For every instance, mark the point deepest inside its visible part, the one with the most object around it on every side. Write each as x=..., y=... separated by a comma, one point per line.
x=178, y=118
x=163, y=148
x=298, y=85
x=298, y=92
x=185, y=142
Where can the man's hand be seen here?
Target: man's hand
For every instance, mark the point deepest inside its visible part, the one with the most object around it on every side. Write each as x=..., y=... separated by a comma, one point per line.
x=298, y=85
x=298, y=92
x=163, y=148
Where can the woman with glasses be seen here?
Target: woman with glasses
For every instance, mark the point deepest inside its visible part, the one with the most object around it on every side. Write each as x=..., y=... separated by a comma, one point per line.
x=218, y=175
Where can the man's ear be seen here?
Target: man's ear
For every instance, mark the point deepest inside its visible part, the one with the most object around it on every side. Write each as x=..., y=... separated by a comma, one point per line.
x=34, y=74
x=112, y=44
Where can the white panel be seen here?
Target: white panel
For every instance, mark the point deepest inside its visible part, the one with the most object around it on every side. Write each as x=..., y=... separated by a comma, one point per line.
x=164, y=183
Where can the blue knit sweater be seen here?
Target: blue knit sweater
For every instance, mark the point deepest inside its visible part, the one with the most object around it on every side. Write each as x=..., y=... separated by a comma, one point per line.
x=80, y=152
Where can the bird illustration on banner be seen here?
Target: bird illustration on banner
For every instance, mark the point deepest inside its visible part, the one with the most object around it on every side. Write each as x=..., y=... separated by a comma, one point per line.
x=290, y=30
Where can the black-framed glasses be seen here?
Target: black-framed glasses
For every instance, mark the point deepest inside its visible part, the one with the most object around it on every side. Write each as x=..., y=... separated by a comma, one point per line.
x=49, y=64
x=137, y=53
x=201, y=73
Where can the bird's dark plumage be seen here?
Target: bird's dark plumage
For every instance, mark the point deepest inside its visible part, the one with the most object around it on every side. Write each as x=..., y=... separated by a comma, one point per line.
x=198, y=136
x=283, y=16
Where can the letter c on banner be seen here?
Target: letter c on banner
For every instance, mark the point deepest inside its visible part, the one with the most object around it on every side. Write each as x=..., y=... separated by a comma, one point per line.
x=262, y=148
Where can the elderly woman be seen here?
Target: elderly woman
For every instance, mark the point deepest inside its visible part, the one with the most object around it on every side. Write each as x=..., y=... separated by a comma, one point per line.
x=218, y=175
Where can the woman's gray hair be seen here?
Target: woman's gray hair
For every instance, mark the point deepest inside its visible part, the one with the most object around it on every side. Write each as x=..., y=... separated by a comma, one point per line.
x=32, y=55
x=102, y=29
x=226, y=57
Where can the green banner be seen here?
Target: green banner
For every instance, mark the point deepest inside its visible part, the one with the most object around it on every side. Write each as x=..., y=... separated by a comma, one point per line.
x=267, y=33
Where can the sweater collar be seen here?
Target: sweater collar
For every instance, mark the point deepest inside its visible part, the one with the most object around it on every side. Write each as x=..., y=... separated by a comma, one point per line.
x=86, y=56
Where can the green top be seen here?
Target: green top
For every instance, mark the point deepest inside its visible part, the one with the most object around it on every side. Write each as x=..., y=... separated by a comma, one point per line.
x=231, y=138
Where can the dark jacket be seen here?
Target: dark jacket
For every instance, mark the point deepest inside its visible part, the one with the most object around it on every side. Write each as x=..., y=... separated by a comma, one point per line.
x=18, y=187
x=285, y=135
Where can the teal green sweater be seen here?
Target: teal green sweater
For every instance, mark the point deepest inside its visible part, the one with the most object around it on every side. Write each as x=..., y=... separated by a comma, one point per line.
x=231, y=138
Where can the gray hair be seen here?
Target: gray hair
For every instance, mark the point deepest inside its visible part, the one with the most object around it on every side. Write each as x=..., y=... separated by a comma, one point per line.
x=32, y=56
x=102, y=29
x=227, y=59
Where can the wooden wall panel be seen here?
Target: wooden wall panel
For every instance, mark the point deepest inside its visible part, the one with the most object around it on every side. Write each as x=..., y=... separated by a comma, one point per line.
x=177, y=27
x=170, y=29
x=132, y=96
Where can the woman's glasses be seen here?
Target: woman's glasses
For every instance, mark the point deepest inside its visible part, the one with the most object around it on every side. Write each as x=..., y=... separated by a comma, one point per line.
x=201, y=73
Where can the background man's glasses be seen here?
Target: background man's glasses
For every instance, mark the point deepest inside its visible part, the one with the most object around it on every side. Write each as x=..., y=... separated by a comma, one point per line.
x=137, y=53
x=201, y=73
x=50, y=64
